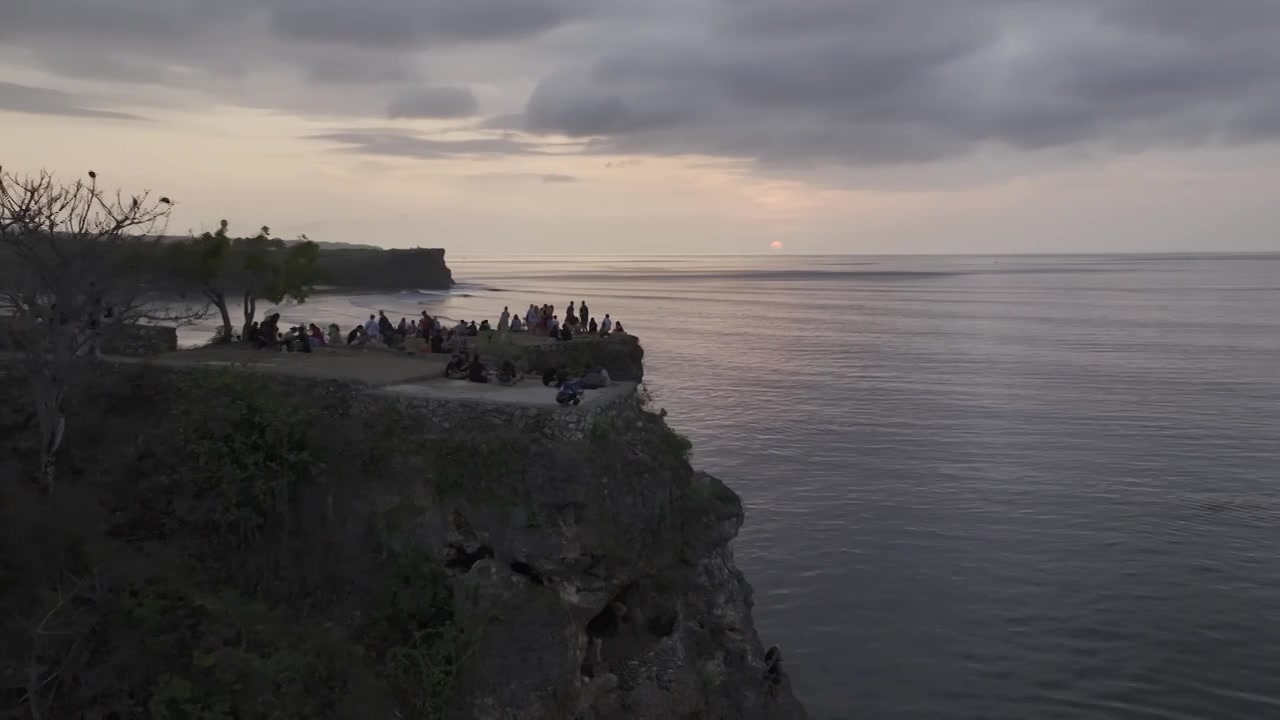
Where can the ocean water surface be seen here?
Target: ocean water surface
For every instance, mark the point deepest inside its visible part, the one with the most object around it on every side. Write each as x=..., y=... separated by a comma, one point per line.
x=976, y=487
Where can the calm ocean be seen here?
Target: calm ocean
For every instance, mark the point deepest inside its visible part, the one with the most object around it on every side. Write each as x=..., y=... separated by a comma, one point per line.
x=977, y=487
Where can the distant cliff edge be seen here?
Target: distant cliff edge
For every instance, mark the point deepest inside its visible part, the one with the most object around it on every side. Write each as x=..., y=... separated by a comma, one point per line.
x=422, y=268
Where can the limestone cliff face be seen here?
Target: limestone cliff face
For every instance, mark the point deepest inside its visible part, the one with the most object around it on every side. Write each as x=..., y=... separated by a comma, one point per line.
x=395, y=559
x=422, y=268
x=598, y=578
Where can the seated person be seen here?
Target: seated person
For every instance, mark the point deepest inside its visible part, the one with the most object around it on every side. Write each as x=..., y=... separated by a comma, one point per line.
x=457, y=368
x=472, y=330
x=516, y=325
x=596, y=378
x=476, y=371
x=618, y=330
x=437, y=343
x=356, y=336
x=554, y=376
x=508, y=374
x=484, y=325
x=592, y=327
x=565, y=334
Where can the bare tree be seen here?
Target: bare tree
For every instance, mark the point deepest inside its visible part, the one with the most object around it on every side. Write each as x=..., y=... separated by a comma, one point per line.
x=78, y=268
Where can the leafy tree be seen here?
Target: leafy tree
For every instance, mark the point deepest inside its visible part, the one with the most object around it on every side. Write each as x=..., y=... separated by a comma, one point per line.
x=258, y=267
x=276, y=272
x=206, y=262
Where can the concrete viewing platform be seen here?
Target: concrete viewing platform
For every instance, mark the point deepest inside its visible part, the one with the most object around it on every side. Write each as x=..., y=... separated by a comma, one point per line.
x=387, y=373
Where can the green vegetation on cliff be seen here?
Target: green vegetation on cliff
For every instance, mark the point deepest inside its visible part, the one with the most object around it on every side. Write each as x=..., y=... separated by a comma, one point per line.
x=228, y=546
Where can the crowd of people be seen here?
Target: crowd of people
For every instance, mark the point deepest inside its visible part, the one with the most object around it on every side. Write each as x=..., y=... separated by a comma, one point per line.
x=439, y=337
x=544, y=321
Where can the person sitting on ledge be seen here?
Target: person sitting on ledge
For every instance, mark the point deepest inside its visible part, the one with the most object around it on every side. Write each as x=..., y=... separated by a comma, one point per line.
x=555, y=376
x=355, y=336
x=335, y=334
x=484, y=325
x=606, y=325
x=476, y=371
x=516, y=325
x=508, y=374
x=472, y=330
x=592, y=327
x=618, y=330
x=595, y=378
x=566, y=333
x=457, y=368
x=315, y=335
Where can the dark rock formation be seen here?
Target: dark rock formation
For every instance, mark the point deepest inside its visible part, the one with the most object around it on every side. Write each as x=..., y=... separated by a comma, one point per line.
x=420, y=269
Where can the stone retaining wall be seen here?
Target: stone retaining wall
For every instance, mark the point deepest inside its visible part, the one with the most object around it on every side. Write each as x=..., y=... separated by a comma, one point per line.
x=561, y=423
x=132, y=340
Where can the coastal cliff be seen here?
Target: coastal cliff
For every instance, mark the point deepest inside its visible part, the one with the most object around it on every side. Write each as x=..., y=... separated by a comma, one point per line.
x=229, y=544
x=421, y=269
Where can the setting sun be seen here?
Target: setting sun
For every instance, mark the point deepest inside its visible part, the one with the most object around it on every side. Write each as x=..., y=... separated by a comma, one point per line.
x=776, y=244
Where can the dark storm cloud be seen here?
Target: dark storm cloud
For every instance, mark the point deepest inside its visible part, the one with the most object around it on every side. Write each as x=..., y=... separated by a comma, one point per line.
x=434, y=102
x=42, y=101
x=406, y=145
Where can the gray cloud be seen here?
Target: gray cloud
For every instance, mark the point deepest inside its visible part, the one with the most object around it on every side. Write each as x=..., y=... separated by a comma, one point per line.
x=42, y=101
x=558, y=178
x=407, y=145
x=865, y=82
x=410, y=24
x=434, y=102
x=785, y=84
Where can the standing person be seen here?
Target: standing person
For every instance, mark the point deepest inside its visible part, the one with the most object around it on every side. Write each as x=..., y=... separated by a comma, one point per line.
x=531, y=318
x=268, y=332
x=606, y=325
x=571, y=316
x=385, y=328
x=553, y=326
x=583, y=313
x=504, y=320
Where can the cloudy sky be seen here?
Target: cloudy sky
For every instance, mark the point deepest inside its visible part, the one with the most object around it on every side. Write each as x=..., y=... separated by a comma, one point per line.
x=657, y=126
